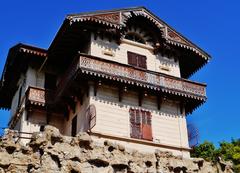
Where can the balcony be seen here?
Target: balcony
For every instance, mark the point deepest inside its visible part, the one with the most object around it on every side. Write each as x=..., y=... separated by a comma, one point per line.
x=33, y=97
x=127, y=74
x=39, y=96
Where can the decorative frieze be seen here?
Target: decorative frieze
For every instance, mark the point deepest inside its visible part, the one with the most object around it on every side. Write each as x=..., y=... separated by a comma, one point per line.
x=144, y=78
x=36, y=96
x=39, y=96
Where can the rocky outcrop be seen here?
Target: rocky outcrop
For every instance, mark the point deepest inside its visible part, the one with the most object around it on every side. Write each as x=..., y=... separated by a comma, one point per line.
x=50, y=152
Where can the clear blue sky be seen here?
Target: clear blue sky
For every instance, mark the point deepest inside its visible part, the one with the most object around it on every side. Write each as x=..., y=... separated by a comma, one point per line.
x=214, y=25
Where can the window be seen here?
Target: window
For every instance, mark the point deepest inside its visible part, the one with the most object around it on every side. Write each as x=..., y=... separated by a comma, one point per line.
x=137, y=60
x=135, y=37
x=140, y=124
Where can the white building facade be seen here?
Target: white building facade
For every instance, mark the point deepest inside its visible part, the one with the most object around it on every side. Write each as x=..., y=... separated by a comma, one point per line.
x=120, y=75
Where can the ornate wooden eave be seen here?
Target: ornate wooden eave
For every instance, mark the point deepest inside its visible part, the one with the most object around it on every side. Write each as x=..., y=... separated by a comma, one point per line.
x=17, y=61
x=110, y=19
x=118, y=20
x=33, y=50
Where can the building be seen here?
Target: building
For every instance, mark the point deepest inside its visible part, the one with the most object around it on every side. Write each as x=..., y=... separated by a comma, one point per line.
x=121, y=75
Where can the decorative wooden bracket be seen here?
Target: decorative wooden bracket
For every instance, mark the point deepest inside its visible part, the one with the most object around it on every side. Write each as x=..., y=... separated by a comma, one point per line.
x=159, y=101
x=95, y=88
x=140, y=98
x=182, y=105
x=120, y=93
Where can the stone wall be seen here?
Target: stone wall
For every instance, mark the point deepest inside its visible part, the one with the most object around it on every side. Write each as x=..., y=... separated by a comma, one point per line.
x=50, y=152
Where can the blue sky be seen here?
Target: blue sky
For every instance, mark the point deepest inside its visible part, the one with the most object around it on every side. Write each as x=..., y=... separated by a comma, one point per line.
x=213, y=25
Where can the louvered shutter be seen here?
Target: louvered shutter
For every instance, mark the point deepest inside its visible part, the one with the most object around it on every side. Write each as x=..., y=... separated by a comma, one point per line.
x=135, y=124
x=132, y=58
x=142, y=61
x=137, y=60
x=147, y=125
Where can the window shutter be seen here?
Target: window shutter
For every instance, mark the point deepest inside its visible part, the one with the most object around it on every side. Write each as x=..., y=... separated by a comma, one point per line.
x=142, y=61
x=132, y=58
x=137, y=60
x=135, y=124
x=147, y=126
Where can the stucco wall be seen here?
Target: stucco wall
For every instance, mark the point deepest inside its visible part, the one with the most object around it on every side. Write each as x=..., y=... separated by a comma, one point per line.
x=158, y=63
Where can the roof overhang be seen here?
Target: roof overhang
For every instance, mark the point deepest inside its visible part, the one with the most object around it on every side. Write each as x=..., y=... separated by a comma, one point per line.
x=194, y=58
x=18, y=59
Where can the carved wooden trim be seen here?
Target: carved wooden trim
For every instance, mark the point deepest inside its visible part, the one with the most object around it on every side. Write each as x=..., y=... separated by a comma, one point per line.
x=149, y=79
x=159, y=102
x=120, y=93
x=140, y=98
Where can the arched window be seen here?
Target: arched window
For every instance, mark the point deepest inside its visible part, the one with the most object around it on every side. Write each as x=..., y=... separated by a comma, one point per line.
x=135, y=37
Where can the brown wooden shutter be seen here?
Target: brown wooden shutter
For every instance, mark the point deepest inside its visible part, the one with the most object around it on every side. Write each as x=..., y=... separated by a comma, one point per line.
x=142, y=61
x=135, y=124
x=132, y=58
x=147, y=125
x=137, y=60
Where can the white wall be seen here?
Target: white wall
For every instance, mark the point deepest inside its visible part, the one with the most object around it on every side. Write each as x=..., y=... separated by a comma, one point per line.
x=80, y=112
x=168, y=126
x=156, y=63
x=31, y=122
x=30, y=78
x=35, y=78
x=34, y=121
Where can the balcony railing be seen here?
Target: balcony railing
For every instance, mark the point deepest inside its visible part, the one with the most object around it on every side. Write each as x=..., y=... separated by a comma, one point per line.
x=34, y=96
x=39, y=96
x=128, y=74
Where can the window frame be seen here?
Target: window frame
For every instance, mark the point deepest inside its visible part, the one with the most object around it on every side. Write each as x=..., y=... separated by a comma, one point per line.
x=140, y=124
x=137, y=60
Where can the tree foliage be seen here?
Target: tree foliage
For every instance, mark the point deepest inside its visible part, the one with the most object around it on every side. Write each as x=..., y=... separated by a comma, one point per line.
x=205, y=150
x=228, y=151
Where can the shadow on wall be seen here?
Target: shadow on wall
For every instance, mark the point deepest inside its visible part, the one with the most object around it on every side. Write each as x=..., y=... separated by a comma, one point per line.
x=106, y=45
x=166, y=110
x=167, y=61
